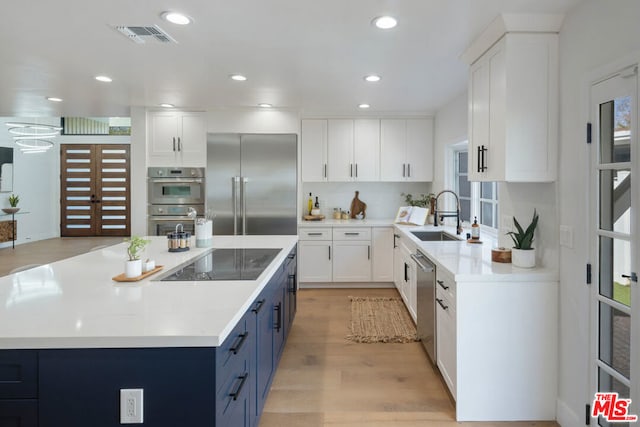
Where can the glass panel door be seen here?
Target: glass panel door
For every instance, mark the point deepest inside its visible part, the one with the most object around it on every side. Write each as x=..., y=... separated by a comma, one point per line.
x=615, y=190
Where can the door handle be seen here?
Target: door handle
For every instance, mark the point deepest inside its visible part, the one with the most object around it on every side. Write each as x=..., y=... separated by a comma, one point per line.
x=234, y=202
x=243, y=191
x=633, y=277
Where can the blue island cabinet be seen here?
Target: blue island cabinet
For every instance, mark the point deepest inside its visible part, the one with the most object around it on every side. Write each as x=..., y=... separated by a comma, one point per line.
x=187, y=386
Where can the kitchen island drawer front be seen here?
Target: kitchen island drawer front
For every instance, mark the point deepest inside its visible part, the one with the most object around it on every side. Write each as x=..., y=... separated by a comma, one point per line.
x=18, y=374
x=19, y=413
x=314, y=233
x=355, y=233
x=234, y=350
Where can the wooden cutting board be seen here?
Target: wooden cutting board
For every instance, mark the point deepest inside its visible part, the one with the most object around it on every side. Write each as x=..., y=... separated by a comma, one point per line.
x=313, y=217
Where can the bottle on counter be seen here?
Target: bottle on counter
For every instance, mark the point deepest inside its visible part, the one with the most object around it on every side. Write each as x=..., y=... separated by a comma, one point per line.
x=310, y=204
x=317, y=205
x=475, y=229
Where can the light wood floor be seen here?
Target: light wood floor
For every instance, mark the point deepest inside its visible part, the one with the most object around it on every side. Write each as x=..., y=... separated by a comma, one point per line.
x=50, y=250
x=325, y=380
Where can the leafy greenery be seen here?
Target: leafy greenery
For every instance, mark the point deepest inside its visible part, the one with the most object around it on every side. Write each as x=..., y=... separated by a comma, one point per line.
x=136, y=245
x=422, y=202
x=523, y=239
x=622, y=293
x=13, y=200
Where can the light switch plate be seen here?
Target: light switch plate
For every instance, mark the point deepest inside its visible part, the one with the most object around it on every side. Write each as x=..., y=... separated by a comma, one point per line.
x=566, y=236
x=131, y=406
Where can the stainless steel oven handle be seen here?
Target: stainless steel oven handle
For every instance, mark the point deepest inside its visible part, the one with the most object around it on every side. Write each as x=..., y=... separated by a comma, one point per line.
x=423, y=267
x=176, y=180
x=244, y=205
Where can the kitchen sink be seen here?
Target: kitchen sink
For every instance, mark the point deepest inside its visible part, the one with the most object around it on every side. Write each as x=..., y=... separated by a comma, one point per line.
x=434, y=236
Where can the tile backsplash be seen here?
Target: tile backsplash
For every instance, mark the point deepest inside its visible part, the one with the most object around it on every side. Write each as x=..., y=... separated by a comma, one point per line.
x=382, y=198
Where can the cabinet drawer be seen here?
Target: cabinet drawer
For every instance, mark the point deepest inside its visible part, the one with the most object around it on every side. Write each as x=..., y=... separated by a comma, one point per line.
x=445, y=283
x=18, y=374
x=22, y=413
x=234, y=349
x=355, y=233
x=315, y=233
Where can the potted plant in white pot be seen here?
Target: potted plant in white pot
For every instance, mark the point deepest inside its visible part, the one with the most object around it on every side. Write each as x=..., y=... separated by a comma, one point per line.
x=133, y=267
x=523, y=254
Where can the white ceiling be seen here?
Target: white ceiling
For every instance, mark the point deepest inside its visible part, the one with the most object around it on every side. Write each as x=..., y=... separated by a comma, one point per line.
x=309, y=55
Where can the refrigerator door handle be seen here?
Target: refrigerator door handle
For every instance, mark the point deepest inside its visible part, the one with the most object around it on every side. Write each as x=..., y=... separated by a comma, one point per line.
x=243, y=191
x=234, y=202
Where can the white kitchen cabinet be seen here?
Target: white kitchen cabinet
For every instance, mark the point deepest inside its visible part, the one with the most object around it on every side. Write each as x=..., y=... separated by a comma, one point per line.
x=177, y=139
x=406, y=150
x=315, y=260
x=446, y=329
x=513, y=110
x=398, y=262
x=352, y=261
x=353, y=150
x=409, y=285
x=382, y=254
x=313, y=141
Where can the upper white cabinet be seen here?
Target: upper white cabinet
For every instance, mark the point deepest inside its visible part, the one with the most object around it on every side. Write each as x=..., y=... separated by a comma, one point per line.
x=366, y=149
x=314, y=150
x=406, y=150
x=513, y=109
x=340, y=150
x=177, y=139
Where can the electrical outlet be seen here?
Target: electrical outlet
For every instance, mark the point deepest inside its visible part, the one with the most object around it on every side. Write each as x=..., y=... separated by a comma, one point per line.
x=131, y=406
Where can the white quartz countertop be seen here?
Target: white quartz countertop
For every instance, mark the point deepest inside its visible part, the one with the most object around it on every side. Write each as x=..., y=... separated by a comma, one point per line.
x=74, y=303
x=329, y=222
x=472, y=261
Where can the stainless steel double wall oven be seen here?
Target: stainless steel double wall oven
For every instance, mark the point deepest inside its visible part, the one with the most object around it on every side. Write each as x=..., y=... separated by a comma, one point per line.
x=171, y=192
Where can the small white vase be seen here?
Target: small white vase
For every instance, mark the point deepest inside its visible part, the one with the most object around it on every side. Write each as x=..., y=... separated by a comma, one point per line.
x=524, y=258
x=133, y=268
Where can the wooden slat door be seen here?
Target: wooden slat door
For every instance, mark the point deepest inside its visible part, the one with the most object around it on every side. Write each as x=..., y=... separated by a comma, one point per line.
x=94, y=190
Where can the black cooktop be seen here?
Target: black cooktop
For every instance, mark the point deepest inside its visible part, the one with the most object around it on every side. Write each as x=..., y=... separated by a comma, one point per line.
x=224, y=264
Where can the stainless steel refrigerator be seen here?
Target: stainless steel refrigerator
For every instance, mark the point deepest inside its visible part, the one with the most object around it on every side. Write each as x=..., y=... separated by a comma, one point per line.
x=252, y=183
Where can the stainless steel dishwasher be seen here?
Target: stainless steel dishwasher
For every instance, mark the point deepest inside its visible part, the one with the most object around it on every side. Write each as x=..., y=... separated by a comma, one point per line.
x=426, y=313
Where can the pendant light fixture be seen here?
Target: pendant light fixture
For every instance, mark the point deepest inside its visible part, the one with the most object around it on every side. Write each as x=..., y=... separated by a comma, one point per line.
x=33, y=137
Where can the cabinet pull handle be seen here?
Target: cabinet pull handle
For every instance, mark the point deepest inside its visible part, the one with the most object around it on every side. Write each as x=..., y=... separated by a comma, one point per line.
x=243, y=379
x=278, y=324
x=356, y=170
x=395, y=236
x=241, y=339
x=369, y=252
x=478, y=160
x=439, y=301
x=329, y=251
x=408, y=170
x=351, y=170
x=179, y=144
x=291, y=256
x=314, y=234
x=441, y=283
x=352, y=234
x=483, y=151
x=404, y=169
x=325, y=170
x=258, y=306
x=174, y=143
x=406, y=275
x=293, y=289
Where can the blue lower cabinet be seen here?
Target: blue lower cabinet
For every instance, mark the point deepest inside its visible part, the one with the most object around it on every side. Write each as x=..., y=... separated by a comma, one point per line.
x=18, y=374
x=19, y=413
x=81, y=387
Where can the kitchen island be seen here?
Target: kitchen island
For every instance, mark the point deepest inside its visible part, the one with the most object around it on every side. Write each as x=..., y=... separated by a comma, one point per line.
x=203, y=353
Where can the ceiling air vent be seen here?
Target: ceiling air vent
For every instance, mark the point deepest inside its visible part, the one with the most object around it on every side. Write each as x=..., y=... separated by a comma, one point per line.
x=141, y=34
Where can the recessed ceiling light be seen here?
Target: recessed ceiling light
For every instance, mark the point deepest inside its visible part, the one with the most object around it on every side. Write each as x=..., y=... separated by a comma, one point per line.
x=372, y=78
x=54, y=99
x=104, y=79
x=237, y=77
x=167, y=105
x=385, y=22
x=264, y=105
x=176, y=18
x=364, y=106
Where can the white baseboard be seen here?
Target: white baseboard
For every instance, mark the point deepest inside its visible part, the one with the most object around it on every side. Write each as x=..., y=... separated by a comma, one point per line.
x=566, y=417
x=344, y=285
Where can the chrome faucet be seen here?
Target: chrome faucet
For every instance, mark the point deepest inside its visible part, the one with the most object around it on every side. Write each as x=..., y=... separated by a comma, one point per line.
x=447, y=214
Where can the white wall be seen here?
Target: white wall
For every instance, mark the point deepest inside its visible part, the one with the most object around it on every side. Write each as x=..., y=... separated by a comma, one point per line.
x=594, y=34
x=382, y=198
